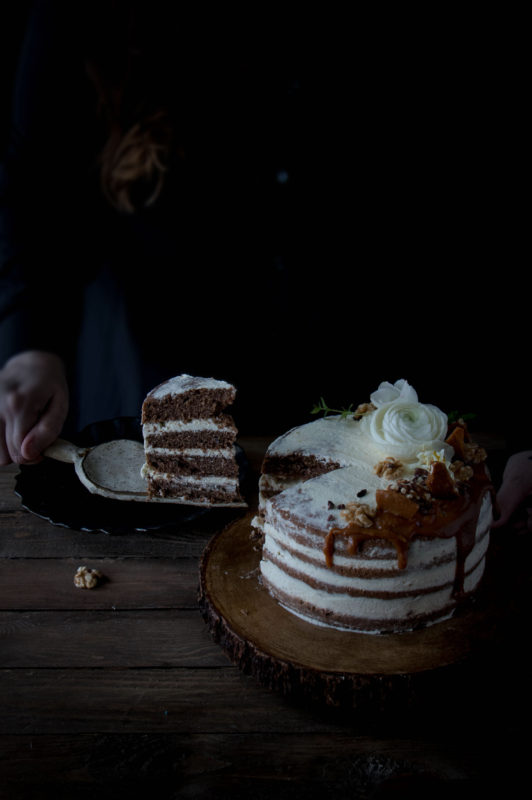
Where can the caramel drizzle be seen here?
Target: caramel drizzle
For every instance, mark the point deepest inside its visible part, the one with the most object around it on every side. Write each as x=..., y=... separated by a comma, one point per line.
x=456, y=518
x=358, y=535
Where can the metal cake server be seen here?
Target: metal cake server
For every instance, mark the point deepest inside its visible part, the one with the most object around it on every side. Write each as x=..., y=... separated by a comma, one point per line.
x=112, y=469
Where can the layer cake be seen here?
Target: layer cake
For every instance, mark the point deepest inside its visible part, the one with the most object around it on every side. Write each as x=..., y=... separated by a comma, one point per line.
x=375, y=521
x=190, y=442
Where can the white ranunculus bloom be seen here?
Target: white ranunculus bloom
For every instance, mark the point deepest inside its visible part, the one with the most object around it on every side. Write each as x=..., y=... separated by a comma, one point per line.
x=388, y=392
x=402, y=426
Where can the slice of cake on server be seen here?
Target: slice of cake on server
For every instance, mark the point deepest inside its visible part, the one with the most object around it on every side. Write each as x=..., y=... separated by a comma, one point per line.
x=190, y=442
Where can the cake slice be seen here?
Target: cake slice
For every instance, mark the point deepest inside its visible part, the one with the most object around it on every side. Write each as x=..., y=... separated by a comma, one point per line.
x=189, y=442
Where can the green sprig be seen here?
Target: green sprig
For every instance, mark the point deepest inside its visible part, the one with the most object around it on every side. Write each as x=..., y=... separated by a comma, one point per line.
x=454, y=416
x=323, y=408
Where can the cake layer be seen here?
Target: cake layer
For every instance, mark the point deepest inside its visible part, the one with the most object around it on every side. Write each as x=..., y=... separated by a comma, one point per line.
x=297, y=464
x=204, y=490
x=187, y=398
x=368, y=614
x=219, y=432
x=366, y=577
x=193, y=462
x=375, y=560
x=186, y=440
x=369, y=594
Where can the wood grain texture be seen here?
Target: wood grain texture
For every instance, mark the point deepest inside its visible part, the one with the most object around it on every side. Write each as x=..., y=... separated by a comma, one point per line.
x=108, y=639
x=125, y=583
x=122, y=691
x=252, y=764
x=344, y=668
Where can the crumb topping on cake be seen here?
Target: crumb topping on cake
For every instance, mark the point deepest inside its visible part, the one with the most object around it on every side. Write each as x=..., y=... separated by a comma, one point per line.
x=388, y=468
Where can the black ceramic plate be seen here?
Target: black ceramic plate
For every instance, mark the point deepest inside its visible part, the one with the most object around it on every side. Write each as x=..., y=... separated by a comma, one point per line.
x=52, y=490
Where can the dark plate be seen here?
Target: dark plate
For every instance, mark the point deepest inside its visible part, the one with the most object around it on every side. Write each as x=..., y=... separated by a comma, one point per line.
x=52, y=490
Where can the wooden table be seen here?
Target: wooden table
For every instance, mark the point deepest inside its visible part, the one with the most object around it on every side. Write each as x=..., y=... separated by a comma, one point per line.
x=122, y=689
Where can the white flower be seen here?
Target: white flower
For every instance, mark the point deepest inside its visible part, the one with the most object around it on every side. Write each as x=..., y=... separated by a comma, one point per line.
x=388, y=392
x=402, y=426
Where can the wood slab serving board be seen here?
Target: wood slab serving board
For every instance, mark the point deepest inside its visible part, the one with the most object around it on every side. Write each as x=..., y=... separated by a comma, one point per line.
x=336, y=667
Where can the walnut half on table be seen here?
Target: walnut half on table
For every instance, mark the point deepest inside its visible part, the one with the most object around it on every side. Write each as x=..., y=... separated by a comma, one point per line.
x=87, y=578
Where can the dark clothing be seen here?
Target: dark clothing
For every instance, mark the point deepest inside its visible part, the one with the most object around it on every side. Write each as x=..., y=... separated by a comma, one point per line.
x=132, y=299
x=310, y=241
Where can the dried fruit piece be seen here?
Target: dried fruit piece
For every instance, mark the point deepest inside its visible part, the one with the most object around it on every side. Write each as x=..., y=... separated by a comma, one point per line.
x=440, y=482
x=396, y=503
x=456, y=439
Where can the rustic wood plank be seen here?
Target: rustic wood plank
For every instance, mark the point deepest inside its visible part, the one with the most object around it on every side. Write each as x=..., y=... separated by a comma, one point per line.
x=8, y=500
x=127, y=583
x=182, y=700
x=96, y=701
x=24, y=535
x=62, y=639
x=222, y=699
x=336, y=764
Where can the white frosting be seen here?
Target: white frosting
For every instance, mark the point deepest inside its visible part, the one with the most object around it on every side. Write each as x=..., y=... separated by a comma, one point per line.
x=204, y=480
x=422, y=588
x=334, y=438
x=184, y=383
x=368, y=608
x=178, y=426
x=192, y=452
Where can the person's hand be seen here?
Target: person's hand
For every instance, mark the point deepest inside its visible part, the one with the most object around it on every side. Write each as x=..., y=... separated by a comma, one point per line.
x=33, y=405
x=515, y=488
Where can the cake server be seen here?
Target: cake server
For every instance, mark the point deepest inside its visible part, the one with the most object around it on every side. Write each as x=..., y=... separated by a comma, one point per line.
x=112, y=469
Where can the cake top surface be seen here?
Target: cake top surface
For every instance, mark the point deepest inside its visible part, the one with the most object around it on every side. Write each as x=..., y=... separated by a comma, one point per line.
x=335, y=438
x=185, y=383
x=321, y=501
x=401, y=464
x=393, y=424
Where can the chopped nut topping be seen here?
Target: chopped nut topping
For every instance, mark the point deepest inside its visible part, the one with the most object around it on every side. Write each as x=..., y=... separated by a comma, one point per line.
x=474, y=454
x=461, y=471
x=86, y=578
x=389, y=468
x=362, y=409
x=359, y=513
x=416, y=490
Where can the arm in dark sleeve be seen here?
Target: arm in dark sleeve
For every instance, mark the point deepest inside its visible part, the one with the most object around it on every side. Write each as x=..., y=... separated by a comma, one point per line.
x=41, y=184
